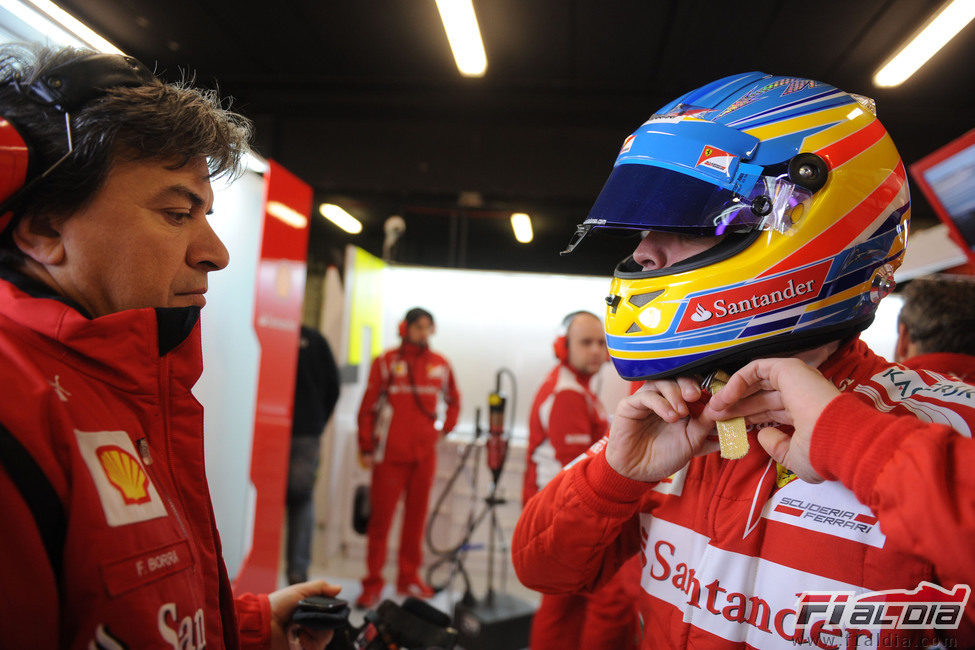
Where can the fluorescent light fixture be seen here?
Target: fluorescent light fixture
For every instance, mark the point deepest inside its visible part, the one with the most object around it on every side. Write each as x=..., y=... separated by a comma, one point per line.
x=287, y=214
x=464, y=37
x=58, y=25
x=932, y=37
x=340, y=218
x=521, y=223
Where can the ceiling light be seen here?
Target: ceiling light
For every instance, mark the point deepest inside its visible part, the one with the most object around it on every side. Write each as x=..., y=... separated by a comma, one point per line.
x=58, y=25
x=340, y=218
x=287, y=214
x=932, y=37
x=464, y=37
x=521, y=223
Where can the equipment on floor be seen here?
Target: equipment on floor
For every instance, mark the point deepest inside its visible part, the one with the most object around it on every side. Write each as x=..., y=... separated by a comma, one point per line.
x=499, y=621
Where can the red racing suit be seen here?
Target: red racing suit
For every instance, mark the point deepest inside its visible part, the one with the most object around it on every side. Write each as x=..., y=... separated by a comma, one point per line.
x=397, y=423
x=726, y=546
x=102, y=407
x=566, y=419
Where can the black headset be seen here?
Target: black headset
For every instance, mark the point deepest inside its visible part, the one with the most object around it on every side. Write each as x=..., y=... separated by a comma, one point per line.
x=65, y=88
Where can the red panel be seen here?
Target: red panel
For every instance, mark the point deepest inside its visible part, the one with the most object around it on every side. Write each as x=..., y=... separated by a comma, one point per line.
x=923, y=165
x=279, y=295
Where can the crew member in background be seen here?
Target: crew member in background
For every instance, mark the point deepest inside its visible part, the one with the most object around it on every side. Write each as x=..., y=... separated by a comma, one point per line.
x=398, y=434
x=566, y=416
x=936, y=325
x=316, y=392
x=566, y=419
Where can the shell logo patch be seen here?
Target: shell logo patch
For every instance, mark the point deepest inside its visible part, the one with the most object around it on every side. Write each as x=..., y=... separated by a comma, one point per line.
x=124, y=472
x=120, y=479
x=783, y=476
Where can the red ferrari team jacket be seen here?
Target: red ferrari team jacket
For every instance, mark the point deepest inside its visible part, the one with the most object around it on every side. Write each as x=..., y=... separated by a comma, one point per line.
x=399, y=408
x=727, y=545
x=566, y=419
x=97, y=415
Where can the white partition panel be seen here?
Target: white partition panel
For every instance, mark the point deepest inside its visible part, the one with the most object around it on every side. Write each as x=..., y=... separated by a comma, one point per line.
x=228, y=387
x=487, y=320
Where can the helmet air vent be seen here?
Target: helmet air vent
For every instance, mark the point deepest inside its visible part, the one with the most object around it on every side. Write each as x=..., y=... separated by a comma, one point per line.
x=634, y=329
x=641, y=299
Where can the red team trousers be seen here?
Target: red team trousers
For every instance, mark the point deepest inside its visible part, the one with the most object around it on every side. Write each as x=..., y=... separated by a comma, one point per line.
x=389, y=481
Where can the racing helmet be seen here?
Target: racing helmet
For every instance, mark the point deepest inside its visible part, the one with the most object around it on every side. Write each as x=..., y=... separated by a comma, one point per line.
x=809, y=197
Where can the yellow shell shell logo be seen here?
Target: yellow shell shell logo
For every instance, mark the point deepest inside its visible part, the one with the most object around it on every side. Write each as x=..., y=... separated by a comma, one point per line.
x=125, y=473
x=783, y=476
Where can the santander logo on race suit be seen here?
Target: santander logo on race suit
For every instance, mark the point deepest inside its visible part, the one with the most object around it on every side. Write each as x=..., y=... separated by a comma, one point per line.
x=754, y=298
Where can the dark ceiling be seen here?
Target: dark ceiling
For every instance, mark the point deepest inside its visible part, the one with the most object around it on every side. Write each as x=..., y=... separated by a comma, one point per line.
x=362, y=99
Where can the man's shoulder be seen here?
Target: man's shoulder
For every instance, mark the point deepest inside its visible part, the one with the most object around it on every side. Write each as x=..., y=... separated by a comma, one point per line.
x=567, y=383
x=438, y=357
x=21, y=349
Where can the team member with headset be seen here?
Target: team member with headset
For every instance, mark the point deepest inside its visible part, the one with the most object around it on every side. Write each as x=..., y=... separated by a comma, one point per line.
x=772, y=213
x=109, y=538
x=566, y=419
x=398, y=434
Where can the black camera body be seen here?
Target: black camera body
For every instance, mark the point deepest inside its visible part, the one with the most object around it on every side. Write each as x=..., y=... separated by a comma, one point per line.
x=415, y=625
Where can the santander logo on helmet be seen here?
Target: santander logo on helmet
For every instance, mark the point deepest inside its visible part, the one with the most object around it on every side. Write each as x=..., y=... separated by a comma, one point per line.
x=755, y=298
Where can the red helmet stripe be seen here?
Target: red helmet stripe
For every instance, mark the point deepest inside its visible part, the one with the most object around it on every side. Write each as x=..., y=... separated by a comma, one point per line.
x=852, y=145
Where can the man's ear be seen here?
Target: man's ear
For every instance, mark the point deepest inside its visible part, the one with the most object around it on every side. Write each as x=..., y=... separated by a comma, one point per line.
x=37, y=237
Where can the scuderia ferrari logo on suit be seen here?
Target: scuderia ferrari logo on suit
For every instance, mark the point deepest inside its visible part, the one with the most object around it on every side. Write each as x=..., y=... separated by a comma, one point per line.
x=126, y=493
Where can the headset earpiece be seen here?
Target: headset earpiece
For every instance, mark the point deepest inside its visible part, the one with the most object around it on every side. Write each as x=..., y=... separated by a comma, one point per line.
x=14, y=157
x=561, y=348
x=65, y=88
x=402, y=329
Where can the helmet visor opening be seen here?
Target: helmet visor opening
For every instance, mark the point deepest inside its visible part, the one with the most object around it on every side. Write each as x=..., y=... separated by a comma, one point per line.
x=728, y=246
x=647, y=197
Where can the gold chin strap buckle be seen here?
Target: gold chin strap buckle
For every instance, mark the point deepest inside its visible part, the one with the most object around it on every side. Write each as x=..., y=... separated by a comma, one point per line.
x=732, y=435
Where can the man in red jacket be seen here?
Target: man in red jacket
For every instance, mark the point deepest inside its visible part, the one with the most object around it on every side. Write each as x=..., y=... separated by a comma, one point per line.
x=398, y=432
x=109, y=536
x=936, y=325
x=566, y=419
x=772, y=213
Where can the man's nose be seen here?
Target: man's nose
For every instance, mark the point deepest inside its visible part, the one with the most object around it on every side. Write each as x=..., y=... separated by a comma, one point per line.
x=209, y=250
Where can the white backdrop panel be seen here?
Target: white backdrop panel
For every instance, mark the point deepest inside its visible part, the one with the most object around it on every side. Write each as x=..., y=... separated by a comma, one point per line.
x=487, y=320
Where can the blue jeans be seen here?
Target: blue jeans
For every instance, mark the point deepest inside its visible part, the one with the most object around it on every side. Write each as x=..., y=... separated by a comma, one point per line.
x=301, y=512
